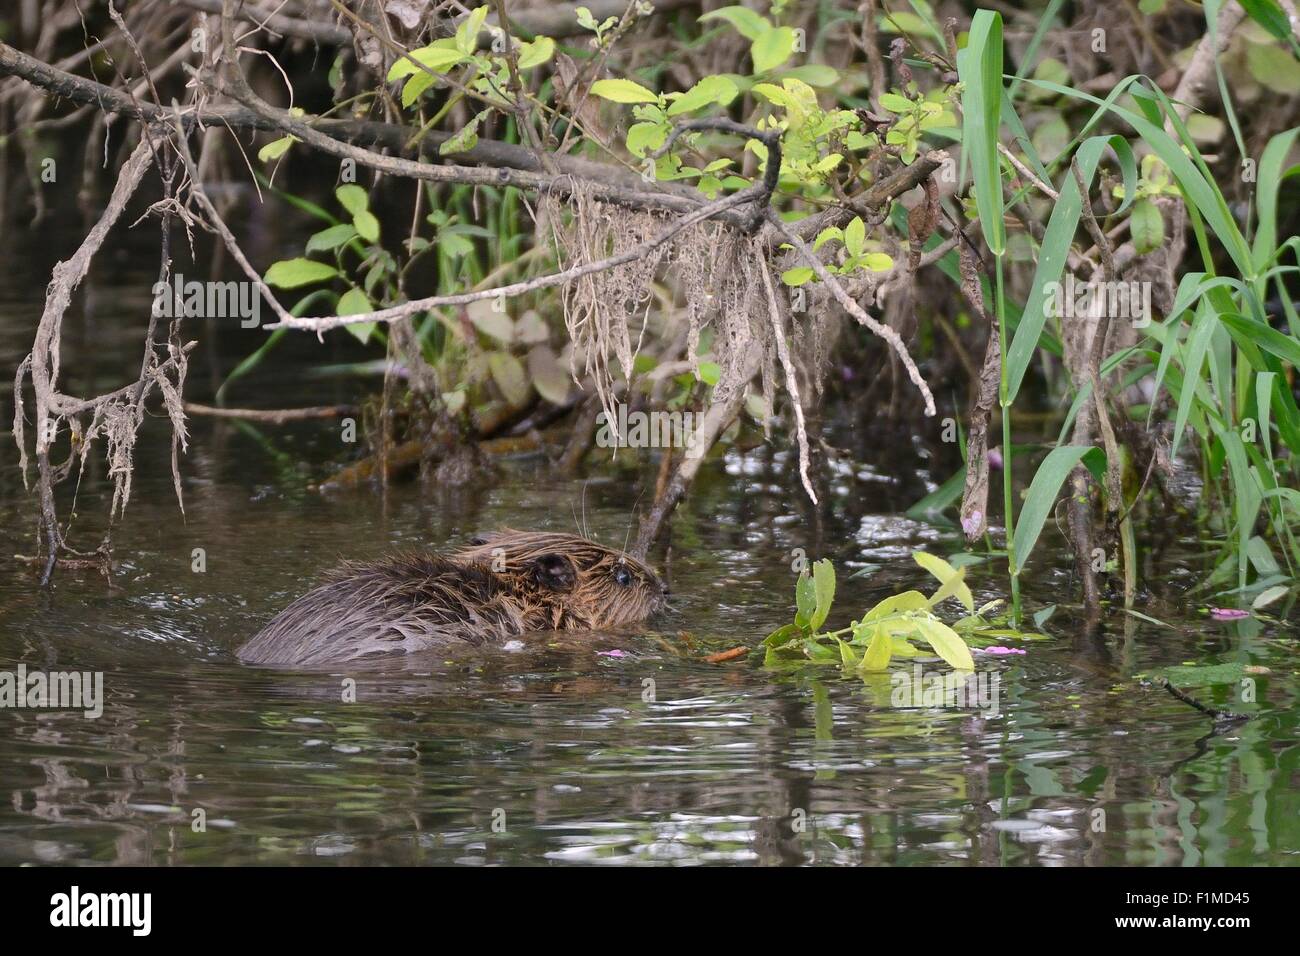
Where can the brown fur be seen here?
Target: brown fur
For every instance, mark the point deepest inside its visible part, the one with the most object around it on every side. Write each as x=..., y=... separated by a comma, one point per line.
x=501, y=586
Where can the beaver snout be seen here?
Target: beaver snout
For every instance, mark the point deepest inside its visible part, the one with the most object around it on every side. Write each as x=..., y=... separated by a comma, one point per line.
x=503, y=585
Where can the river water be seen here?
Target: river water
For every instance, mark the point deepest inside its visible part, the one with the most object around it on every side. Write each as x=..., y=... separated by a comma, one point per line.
x=609, y=749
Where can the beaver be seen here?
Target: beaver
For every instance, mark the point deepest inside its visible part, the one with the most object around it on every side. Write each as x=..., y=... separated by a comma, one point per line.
x=503, y=585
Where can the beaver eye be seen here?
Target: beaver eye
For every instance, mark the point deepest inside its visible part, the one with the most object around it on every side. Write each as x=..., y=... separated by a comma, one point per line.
x=622, y=575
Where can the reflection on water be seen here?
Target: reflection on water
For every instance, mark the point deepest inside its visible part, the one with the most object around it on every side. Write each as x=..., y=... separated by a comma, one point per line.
x=609, y=749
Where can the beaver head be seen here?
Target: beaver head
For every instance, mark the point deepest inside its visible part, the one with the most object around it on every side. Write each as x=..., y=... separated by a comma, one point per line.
x=584, y=585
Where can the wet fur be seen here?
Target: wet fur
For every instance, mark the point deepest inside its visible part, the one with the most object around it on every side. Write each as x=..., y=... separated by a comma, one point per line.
x=415, y=602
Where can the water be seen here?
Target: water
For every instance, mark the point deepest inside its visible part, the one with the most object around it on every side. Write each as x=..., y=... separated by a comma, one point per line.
x=613, y=749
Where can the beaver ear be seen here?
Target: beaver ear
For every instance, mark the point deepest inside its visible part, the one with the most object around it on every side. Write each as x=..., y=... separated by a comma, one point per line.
x=554, y=571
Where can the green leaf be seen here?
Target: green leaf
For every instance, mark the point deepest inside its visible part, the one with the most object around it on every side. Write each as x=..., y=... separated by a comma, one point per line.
x=805, y=599
x=783, y=635
x=1267, y=597
x=1147, y=226
x=855, y=234
x=979, y=66
x=747, y=22
x=331, y=238
x=709, y=90
x=1270, y=177
x=468, y=31
x=414, y=87
x=796, y=276
x=535, y=53
x=847, y=657
x=1274, y=68
x=352, y=198
x=1043, y=490
x=355, y=302
x=823, y=577
x=367, y=225
x=437, y=57
x=292, y=273
x=946, y=642
x=1197, y=344
x=623, y=91
x=879, y=651
x=951, y=580
x=464, y=138
x=1269, y=15
x=897, y=604
x=1266, y=337
x=1055, y=248
x=645, y=138
x=772, y=48
x=276, y=148
x=895, y=103
x=814, y=74
x=710, y=373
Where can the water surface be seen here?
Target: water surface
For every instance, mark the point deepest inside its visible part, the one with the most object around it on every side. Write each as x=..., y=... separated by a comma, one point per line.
x=617, y=749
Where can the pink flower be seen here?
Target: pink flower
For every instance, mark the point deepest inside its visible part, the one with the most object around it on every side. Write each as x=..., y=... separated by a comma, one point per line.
x=613, y=653
x=995, y=458
x=971, y=523
x=998, y=649
x=1227, y=614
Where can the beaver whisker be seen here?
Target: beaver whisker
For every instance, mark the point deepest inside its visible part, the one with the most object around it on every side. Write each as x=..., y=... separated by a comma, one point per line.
x=501, y=585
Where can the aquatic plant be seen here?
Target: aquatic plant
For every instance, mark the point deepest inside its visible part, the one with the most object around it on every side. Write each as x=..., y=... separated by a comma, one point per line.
x=893, y=627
